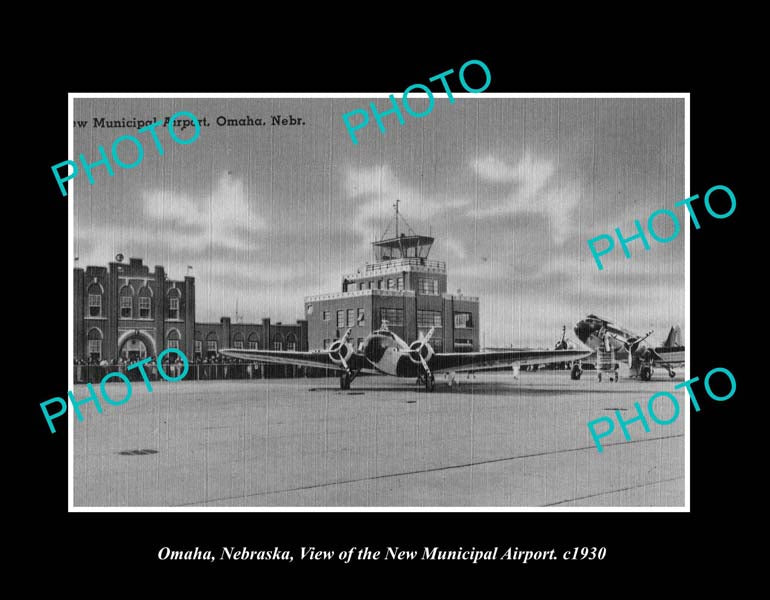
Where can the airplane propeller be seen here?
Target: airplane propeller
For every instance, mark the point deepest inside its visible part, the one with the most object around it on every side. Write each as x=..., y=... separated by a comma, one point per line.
x=340, y=351
x=416, y=351
x=562, y=343
x=632, y=347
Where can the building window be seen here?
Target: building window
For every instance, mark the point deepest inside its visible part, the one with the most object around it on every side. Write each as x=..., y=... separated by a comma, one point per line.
x=429, y=318
x=437, y=344
x=340, y=319
x=326, y=315
x=277, y=342
x=359, y=344
x=291, y=342
x=144, y=307
x=238, y=341
x=253, y=341
x=361, y=285
x=463, y=345
x=391, y=284
x=172, y=341
x=211, y=346
x=427, y=286
x=198, y=348
x=94, y=305
x=400, y=283
x=463, y=320
x=95, y=349
x=94, y=338
x=379, y=284
x=394, y=316
x=361, y=316
x=351, y=317
x=125, y=307
x=173, y=308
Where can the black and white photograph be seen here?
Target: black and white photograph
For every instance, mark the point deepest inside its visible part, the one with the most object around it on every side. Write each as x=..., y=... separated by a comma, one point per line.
x=465, y=311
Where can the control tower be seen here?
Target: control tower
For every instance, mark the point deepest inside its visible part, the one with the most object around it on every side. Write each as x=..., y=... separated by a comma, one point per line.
x=402, y=287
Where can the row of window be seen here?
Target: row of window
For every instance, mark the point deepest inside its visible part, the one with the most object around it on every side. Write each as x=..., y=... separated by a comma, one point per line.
x=426, y=286
x=173, y=341
x=211, y=346
x=429, y=318
x=425, y=318
x=381, y=284
x=126, y=307
x=348, y=318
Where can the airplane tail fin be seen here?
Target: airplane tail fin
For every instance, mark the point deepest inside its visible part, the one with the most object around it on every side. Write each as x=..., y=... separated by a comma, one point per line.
x=674, y=337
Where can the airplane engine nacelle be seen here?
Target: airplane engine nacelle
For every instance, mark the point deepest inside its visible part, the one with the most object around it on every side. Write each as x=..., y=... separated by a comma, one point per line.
x=340, y=351
x=418, y=348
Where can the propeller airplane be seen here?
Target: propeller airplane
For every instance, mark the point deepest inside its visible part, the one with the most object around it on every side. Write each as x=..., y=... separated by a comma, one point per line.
x=604, y=337
x=386, y=353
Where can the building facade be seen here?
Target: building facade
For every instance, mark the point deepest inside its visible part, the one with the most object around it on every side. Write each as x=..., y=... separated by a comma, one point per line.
x=400, y=287
x=127, y=311
x=209, y=337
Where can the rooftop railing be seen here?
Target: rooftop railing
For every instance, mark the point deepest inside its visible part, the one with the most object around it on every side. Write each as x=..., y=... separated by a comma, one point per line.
x=389, y=265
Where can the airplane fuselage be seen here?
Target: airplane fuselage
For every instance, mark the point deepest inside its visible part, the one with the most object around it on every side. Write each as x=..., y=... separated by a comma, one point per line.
x=385, y=352
x=600, y=334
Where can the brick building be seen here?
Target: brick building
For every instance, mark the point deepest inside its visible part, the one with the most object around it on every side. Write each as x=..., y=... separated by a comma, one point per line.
x=403, y=288
x=126, y=310
x=209, y=337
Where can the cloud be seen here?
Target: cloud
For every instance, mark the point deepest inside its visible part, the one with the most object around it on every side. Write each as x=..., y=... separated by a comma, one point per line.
x=533, y=186
x=223, y=218
x=530, y=173
x=374, y=190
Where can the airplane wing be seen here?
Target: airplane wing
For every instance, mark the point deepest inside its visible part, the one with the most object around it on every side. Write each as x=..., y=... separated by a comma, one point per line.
x=664, y=361
x=314, y=358
x=467, y=361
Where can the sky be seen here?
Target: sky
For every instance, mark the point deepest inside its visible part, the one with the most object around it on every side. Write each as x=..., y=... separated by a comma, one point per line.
x=511, y=188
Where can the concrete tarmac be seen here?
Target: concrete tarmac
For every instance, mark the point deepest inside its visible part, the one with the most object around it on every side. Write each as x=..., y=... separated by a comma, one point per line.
x=494, y=441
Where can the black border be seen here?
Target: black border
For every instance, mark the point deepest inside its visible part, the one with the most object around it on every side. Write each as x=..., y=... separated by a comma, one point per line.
x=661, y=541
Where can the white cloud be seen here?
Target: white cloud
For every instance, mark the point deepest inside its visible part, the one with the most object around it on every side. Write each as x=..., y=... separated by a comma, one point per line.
x=535, y=189
x=375, y=190
x=225, y=217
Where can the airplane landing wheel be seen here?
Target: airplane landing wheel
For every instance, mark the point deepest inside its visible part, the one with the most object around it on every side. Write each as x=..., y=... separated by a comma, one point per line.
x=646, y=373
x=600, y=376
x=430, y=383
x=576, y=372
x=344, y=381
x=672, y=374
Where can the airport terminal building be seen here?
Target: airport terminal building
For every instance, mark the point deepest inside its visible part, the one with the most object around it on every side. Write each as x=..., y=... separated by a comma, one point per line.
x=400, y=287
x=128, y=311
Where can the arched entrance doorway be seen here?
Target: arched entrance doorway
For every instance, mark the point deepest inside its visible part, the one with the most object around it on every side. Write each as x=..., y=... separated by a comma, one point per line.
x=133, y=350
x=135, y=345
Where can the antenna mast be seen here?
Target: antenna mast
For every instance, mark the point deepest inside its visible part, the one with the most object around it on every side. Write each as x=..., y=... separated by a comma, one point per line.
x=396, y=207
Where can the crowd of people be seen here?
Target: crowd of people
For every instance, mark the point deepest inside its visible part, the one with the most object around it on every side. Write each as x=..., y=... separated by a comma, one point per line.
x=200, y=368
